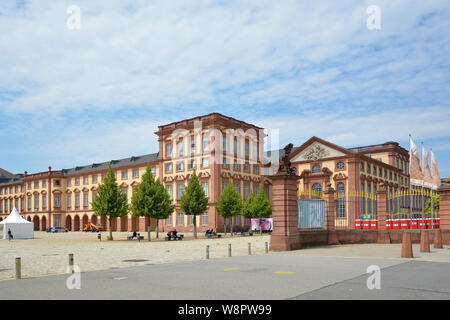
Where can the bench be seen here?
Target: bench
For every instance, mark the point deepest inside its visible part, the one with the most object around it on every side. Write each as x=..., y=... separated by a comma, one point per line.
x=137, y=237
x=179, y=237
x=210, y=236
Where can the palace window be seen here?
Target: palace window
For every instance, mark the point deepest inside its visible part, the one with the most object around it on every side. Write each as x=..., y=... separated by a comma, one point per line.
x=180, y=148
x=192, y=145
x=136, y=173
x=246, y=167
x=180, y=166
x=169, y=220
x=236, y=166
x=255, y=169
x=205, y=162
x=57, y=200
x=247, y=149
x=246, y=190
x=191, y=164
x=180, y=190
x=169, y=191
x=340, y=165
x=317, y=188
x=168, y=149
x=204, y=219
x=86, y=180
x=169, y=167
x=315, y=169
x=205, y=143
x=94, y=178
x=236, y=186
x=205, y=187
x=180, y=218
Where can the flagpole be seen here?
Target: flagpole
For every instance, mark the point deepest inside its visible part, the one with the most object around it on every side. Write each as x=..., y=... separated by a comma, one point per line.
x=423, y=218
x=410, y=190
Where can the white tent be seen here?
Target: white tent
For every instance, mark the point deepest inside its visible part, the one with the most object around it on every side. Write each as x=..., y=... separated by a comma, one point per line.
x=20, y=228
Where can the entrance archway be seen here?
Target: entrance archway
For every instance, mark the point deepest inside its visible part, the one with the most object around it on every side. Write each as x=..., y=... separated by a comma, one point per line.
x=29, y=219
x=36, y=223
x=94, y=219
x=76, y=223
x=69, y=223
x=103, y=223
x=85, y=220
x=44, y=223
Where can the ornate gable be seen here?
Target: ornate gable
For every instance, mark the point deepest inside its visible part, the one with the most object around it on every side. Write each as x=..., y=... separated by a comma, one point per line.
x=317, y=151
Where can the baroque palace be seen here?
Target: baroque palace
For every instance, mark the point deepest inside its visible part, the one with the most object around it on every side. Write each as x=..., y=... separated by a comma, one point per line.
x=219, y=148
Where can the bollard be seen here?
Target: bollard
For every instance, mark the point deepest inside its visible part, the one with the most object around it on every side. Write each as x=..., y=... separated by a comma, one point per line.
x=18, y=269
x=99, y=236
x=249, y=248
x=229, y=249
x=424, y=242
x=207, y=252
x=71, y=262
x=407, y=251
x=267, y=247
x=437, y=241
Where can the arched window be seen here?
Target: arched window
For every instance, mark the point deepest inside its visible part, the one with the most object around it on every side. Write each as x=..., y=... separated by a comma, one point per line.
x=316, y=169
x=341, y=200
x=317, y=189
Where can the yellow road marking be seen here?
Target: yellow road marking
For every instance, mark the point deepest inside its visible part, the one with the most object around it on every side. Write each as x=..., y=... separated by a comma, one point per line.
x=230, y=269
x=284, y=272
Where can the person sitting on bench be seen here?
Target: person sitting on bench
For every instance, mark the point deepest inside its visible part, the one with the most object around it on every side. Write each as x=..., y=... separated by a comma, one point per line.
x=175, y=235
x=169, y=234
x=208, y=232
x=134, y=235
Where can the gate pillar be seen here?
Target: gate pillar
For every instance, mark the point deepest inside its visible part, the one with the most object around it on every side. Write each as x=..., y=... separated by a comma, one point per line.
x=444, y=210
x=330, y=212
x=285, y=235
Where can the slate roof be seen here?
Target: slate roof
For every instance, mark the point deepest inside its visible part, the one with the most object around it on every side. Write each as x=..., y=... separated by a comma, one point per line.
x=7, y=178
x=114, y=164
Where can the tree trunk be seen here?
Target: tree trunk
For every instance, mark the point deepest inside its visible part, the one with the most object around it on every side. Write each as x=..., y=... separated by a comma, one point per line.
x=231, y=225
x=110, y=228
x=224, y=228
x=148, y=228
x=157, y=228
x=195, y=227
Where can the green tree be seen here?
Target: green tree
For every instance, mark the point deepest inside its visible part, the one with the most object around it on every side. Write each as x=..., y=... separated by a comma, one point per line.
x=194, y=202
x=151, y=200
x=261, y=206
x=229, y=204
x=110, y=201
x=247, y=209
x=164, y=206
x=436, y=205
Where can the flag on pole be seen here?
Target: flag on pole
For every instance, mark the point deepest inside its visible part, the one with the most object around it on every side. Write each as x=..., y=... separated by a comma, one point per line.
x=415, y=170
x=434, y=173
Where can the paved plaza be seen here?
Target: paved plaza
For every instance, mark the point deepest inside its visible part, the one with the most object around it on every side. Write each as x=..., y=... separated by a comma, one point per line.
x=179, y=270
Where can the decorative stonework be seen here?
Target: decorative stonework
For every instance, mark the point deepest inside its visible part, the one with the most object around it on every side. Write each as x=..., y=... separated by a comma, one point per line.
x=316, y=152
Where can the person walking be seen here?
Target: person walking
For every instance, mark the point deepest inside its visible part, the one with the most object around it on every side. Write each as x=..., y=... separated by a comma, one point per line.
x=10, y=236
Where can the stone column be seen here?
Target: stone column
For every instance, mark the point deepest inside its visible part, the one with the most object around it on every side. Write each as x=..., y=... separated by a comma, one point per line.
x=383, y=234
x=285, y=235
x=444, y=203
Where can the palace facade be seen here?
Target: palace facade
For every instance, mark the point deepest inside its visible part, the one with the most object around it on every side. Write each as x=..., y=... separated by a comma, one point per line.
x=219, y=148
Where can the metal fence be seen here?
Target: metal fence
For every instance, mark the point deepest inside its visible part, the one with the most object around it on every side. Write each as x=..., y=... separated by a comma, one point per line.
x=412, y=209
x=356, y=210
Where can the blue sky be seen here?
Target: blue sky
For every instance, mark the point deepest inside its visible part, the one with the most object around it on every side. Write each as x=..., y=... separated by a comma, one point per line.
x=307, y=68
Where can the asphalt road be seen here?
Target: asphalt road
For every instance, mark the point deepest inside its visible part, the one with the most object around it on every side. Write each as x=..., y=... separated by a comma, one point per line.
x=257, y=277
